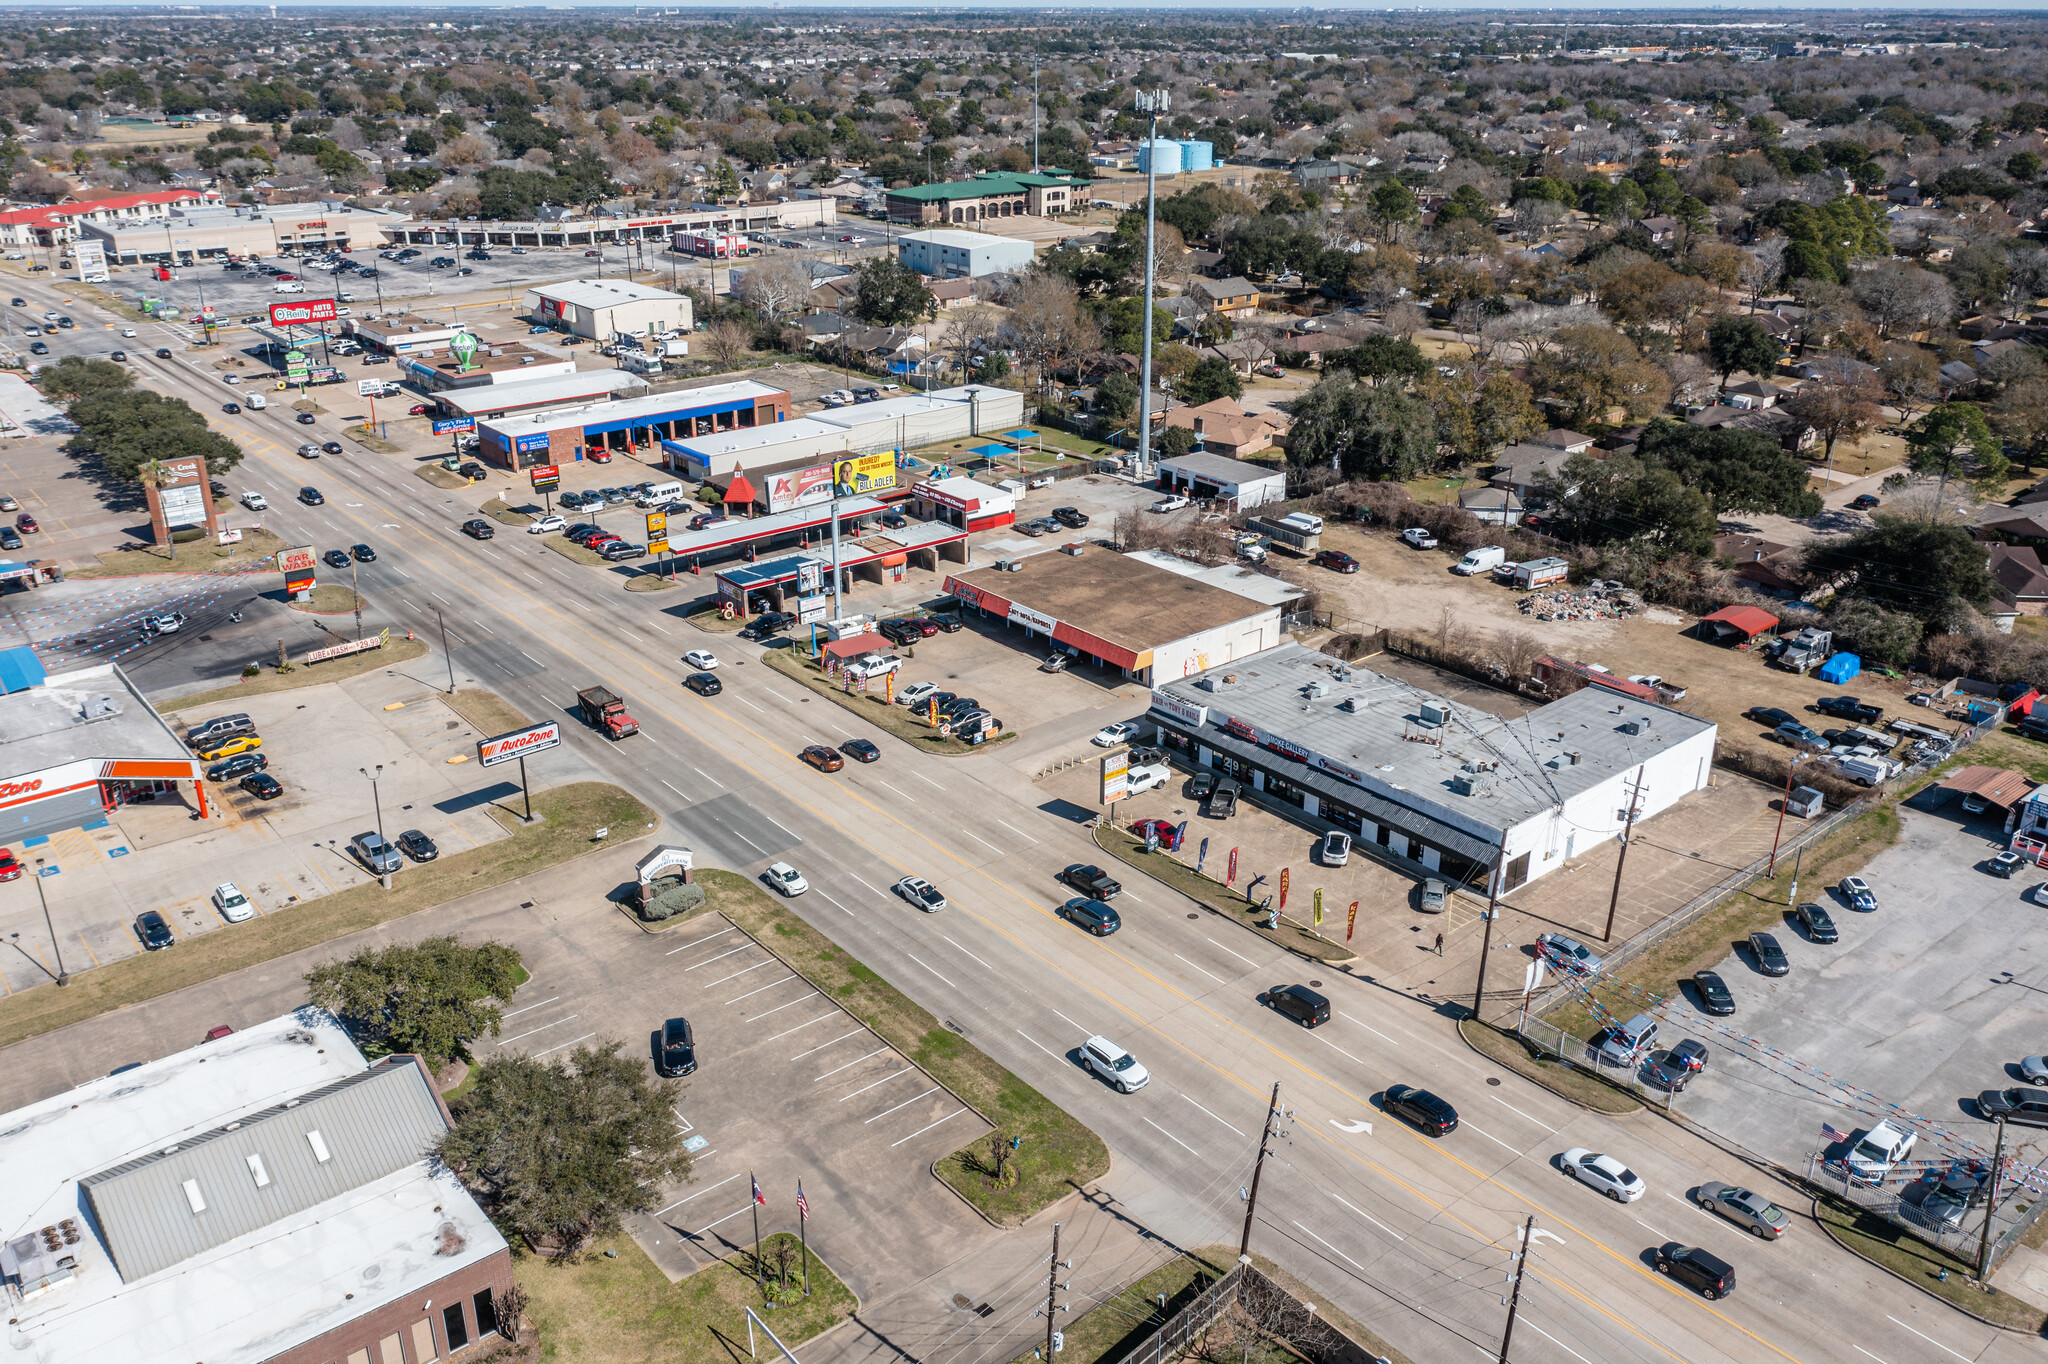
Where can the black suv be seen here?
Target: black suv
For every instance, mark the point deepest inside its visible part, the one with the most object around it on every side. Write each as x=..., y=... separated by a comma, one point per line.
x=1690, y=1265
x=1299, y=1003
x=1420, y=1107
x=676, y=1053
x=1850, y=709
x=1770, y=717
x=1073, y=518
x=1091, y=881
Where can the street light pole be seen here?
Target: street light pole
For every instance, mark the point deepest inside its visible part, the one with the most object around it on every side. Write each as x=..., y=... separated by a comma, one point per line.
x=63, y=976
x=1154, y=103
x=378, y=804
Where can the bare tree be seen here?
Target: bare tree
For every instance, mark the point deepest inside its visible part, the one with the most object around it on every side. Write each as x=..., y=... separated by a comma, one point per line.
x=969, y=330
x=1691, y=378
x=776, y=289
x=1404, y=319
x=1762, y=266
x=726, y=342
x=1517, y=651
x=1049, y=325
x=1898, y=294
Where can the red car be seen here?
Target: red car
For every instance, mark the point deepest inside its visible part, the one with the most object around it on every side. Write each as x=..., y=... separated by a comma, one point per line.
x=218, y=1031
x=10, y=870
x=26, y=524
x=1168, y=834
x=599, y=456
x=418, y=410
x=926, y=626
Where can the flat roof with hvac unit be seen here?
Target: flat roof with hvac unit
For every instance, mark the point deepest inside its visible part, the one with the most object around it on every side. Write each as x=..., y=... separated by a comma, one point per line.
x=859, y=428
x=650, y=419
x=530, y=397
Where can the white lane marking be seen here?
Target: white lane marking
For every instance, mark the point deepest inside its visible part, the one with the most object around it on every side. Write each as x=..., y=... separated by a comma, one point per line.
x=700, y=1193
x=1924, y=1336
x=780, y=1007
x=847, y=732
x=929, y=782
x=652, y=626
x=1133, y=897
x=911, y=799
x=1069, y=1020
x=1332, y=1045
x=542, y=1028
x=1239, y=955
x=1035, y=1042
x=698, y=942
x=771, y=985
x=1172, y=1138
x=1559, y=1344
x=671, y=786
x=1865, y=1353
x=1369, y=1028
x=801, y=1026
x=1334, y=1251
x=1369, y=1217
x=627, y=633
x=708, y=777
x=985, y=965
x=1210, y=974
x=905, y=1104
x=850, y=1064
x=1014, y=829
x=1652, y=1230
x=883, y=1081
x=708, y=960
x=1488, y=1135
x=822, y=1045
x=866, y=884
x=749, y=704
x=741, y=972
x=927, y=1127
x=1512, y=1109
x=994, y=849
x=650, y=739
x=1226, y=1124
x=549, y=1000
x=570, y=1043
x=842, y=908
x=914, y=957
x=777, y=695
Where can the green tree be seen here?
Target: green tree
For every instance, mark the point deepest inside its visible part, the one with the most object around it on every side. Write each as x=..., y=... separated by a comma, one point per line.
x=420, y=142
x=563, y=1150
x=1953, y=441
x=1380, y=360
x=431, y=998
x=74, y=376
x=1741, y=343
x=1381, y=434
x=1881, y=638
x=1173, y=442
x=1116, y=397
x=1391, y=204
x=1626, y=499
x=1211, y=378
x=1908, y=564
x=1120, y=325
x=725, y=181
x=131, y=428
x=1738, y=471
x=891, y=294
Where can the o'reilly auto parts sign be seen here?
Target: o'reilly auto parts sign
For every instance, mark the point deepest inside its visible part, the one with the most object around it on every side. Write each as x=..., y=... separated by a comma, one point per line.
x=519, y=743
x=299, y=314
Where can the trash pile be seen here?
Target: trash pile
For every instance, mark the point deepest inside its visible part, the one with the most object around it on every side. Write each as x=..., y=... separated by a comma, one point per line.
x=1597, y=600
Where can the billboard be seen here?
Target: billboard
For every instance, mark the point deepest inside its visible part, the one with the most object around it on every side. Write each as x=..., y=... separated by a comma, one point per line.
x=657, y=532
x=303, y=312
x=519, y=743
x=90, y=256
x=1116, y=773
x=864, y=474
x=443, y=425
x=546, y=477
x=184, y=506
x=799, y=488
x=296, y=563
x=354, y=646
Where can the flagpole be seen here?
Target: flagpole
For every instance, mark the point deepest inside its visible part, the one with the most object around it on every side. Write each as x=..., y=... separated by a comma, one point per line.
x=760, y=1282
x=803, y=1218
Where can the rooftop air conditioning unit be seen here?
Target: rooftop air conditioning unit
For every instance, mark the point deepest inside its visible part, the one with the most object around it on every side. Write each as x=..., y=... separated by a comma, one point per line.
x=1352, y=704
x=1468, y=783
x=1433, y=714
x=1317, y=688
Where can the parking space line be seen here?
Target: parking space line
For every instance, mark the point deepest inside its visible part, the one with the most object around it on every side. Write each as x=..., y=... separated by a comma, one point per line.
x=928, y=1127
x=1172, y=1138
x=1369, y=1217
x=905, y=1104
x=1234, y=1129
x=751, y=993
x=537, y=1004
x=1492, y=1138
x=1210, y=974
x=772, y=961
x=1017, y=831
x=709, y=1225
x=914, y=957
x=700, y=1193
x=88, y=949
x=720, y=957
x=530, y=1032
x=984, y=964
x=801, y=1026
x=883, y=1081
x=695, y=941
x=1239, y=955
x=850, y=1064
x=780, y=1007
x=570, y=1043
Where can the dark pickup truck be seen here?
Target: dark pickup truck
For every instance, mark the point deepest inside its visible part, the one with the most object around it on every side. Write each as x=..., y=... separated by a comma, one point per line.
x=1091, y=881
x=1223, y=801
x=1849, y=708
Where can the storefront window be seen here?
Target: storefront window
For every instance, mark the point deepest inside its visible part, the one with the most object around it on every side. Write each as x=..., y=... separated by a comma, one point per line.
x=1343, y=816
x=1284, y=789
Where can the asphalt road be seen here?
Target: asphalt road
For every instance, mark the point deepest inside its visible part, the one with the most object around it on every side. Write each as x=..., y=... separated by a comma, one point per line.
x=1408, y=1233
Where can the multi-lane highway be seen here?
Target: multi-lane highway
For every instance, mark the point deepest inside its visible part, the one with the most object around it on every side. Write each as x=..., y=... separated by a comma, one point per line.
x=1409, y=1233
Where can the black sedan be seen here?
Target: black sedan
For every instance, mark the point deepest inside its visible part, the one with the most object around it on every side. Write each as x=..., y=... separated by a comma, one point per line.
x=163, y=352
x=153, y=930
x=1770, y=958
x=1770, y=717
x=1818, y=923
x=332, y=447
x=947, y=624
x=304, y=419
x=231, y=408
x=418, y=846
x=1425, y=1110
x=1715, y=997
x=311, y=497
x=241, y=765
x=704, y=684
x=335, y=558
x=364, y=554
x=262, y=785
x=861, y=751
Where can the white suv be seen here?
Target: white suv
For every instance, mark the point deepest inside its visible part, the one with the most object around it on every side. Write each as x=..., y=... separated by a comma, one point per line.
x=232, y=904
x=1114, y=1064
x=786, y=879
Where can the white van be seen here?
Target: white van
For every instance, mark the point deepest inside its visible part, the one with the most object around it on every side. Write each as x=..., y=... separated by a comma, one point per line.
x=1868, y=771
x=291, y=286
x=660, y=493
x=1480, y=560
x=1305, y=522
x=255, y=402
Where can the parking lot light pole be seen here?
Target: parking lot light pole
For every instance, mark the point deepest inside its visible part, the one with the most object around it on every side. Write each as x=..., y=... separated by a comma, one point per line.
x=378, y=804
x=64, y=976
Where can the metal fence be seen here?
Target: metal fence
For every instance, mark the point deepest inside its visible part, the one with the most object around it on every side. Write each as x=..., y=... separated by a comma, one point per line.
x=1270, y=1309
x=1187, y=1325
x=1905, y=1203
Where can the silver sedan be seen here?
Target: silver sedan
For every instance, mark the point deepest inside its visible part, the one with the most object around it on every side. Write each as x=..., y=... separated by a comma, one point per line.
x=2034, y=1070
x=1751, y=1211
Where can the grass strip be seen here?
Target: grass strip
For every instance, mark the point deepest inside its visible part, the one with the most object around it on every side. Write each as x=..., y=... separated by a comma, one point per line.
x=1164, y=867
x=328, y=599
x=651, y=580
x=876, y=709
x=568, y=815
x=598, y=1310
x=499, y=510
x=197, y=556
x=1888, y=1245
x=1059, y=1154
x=395, y=651
x=716, y=623
x=569, y=549
x=487, y=712
x=1111, y=1329
x=1561, y=1078
x=442, y=478
x=364, y=437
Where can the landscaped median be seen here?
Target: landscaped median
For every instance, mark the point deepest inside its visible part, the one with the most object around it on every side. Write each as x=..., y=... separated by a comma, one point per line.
x=1559, y=1076
x=565, y=817
x=569, y=549
x=1058, y=1155
x=393, y=651
x=1296, y=937
x=874, y=707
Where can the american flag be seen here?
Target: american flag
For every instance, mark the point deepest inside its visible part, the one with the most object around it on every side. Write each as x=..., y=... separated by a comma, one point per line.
x=803, y=1208
x=1832, y=1132
x=759, y=1197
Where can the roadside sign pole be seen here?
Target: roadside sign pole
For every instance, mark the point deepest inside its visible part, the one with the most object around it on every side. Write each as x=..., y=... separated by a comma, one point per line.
x=524, y=789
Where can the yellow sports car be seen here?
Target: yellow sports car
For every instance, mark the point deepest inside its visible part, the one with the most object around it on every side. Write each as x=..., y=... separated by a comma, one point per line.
x=227, y=748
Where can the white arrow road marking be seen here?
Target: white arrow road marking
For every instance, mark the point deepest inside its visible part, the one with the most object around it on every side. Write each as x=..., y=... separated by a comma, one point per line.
x=1540, y=1233
x=1353, y=1126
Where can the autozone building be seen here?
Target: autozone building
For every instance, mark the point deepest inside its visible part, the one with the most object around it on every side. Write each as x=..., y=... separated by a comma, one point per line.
x=1456, y=790
x=76, y=745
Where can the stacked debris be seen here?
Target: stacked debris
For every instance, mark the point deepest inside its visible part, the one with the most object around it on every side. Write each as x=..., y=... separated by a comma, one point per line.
x=1596, y=600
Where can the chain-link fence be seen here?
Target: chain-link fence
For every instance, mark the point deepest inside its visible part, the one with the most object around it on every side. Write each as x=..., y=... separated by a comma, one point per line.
x=1264, y=1308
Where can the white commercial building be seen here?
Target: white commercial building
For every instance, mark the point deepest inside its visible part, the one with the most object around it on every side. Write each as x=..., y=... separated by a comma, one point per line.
x=602, y=308
x=192, y=234
x=529, y=397
x=947, y=253
x=862, y=428
x=1457, y=790
x=1219, y=478
x=567, y=226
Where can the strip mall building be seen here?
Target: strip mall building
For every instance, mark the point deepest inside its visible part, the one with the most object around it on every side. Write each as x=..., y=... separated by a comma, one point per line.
x=566, y=435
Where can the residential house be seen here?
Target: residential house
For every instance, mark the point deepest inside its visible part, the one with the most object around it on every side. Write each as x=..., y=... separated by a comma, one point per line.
x=1203, y=262
x=1763, y=564
x=1243, y=355
x=1224, y=428
x=893, y=346
x=1956, y=375
x=1308, y=348
x=1495, y=506
x=1316, y=174
x=1749, y=394
x=1790, y=432
x=1836, y=369
x=952, y=293
x=822, y=329
x=1560, y=438
x=2022, y=583
x=1519, y=468
x=1233, y=297
x=1660, y=228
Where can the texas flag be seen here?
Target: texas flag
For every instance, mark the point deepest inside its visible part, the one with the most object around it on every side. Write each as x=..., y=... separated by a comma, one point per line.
x=759, y=1197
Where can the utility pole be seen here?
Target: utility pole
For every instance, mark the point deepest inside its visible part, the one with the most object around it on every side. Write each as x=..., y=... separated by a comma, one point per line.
x=1791, y=770
x=1486, y=939
x=1155, y=103
x=1635, y=794
x=1251, y=1202
x=1515, y=1298
x=444, y=649
x=1990, y=1206
x=1052, y=1283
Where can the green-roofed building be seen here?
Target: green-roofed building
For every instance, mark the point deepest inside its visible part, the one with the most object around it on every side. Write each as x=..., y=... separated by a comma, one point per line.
x=1002, y=194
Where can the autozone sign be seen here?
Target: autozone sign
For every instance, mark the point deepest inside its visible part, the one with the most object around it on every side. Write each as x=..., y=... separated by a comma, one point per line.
x=298, y=314
x=295, y=562
x=519, y=743
x=10, y=789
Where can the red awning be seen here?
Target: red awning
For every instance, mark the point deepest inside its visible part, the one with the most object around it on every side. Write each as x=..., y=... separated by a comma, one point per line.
x=1750, y=620
x=739, y=490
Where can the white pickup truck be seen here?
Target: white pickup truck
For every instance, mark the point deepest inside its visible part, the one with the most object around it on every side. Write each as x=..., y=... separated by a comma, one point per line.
x=1169, y=504
x=1881, y=1148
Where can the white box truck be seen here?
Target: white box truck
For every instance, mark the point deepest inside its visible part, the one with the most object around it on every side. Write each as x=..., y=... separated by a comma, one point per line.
x=1480, y=560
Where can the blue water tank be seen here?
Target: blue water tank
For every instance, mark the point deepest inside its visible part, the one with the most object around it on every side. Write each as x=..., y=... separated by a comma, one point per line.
x=1197, y=156
x=1160, y=158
